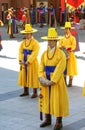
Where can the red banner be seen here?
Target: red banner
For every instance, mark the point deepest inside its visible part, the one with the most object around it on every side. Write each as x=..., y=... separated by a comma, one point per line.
x=75, y=3
x=62, y=5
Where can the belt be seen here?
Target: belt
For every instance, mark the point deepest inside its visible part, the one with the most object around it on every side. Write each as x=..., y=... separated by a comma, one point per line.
x=48, y=70
x=26, y=52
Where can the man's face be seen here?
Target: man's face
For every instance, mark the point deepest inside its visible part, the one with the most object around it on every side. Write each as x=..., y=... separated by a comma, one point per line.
x=67, y=30
x=51, y=43
x=28, y=35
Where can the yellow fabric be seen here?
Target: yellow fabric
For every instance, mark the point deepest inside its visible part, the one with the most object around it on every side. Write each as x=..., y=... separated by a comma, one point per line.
x=58, y=95
x=67, y=25
x=31, y=79
x=9, y=29
x=83, y=93
x=28, y=29
x=70, y=42
x=52, y=35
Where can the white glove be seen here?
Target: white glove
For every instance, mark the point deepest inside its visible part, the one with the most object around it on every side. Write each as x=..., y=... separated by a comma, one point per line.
x=45, y=82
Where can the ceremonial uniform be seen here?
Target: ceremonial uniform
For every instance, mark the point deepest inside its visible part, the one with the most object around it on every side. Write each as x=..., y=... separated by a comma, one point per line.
x=28, y=52
x=69, y=43
x=32, y=15
x=53, y=97
x=31, y=78
x=51, y=16
x=11, y=21
x=41, y=14
x=58, y=93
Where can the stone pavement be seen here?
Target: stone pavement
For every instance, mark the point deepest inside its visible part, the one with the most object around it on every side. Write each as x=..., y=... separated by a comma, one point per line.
x=21, y=113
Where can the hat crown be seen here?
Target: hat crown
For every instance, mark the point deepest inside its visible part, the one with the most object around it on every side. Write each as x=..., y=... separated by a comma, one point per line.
x=52, y=34
x=67, y=25
x=28, y=28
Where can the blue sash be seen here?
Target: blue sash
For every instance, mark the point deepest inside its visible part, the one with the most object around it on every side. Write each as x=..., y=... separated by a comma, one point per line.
x=26, y=52
x=65, y=71
x=48, y=70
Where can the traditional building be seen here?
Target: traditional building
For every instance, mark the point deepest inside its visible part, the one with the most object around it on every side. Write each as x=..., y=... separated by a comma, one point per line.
x=5, y=4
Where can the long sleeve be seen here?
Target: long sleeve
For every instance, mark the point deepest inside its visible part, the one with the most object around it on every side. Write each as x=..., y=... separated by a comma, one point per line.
x=41, y=67
x=21, y=55
x=34, y=53
x=59, y=62
x=68, y=42
x=59, y=69
x=73, y=45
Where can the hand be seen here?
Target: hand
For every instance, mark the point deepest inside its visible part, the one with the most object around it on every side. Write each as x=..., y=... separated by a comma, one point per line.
x=45, y=82
x=51, y=83
x=21, y=62
x=62, y=47
x=26, y=63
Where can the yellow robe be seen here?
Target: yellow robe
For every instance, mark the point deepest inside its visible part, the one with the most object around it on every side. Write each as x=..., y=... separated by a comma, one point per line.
x=70, y=42
x=29, y=77
x=57, y=104
x=83, y=92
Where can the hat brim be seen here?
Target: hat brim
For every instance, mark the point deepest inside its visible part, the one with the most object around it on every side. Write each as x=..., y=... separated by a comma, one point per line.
x=26, y=32
x=67, y=27
x=47, y=38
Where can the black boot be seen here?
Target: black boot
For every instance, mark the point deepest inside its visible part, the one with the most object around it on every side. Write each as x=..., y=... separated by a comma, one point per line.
x=47, y=121
x=70, y=81
x=34, y=95
x=58, y=124
x=65, y=80
x=26, y=92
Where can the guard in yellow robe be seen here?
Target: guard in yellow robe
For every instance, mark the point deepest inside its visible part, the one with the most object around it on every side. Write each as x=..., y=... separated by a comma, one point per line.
x=53, y=97
x=69, y=43
x=28, y=52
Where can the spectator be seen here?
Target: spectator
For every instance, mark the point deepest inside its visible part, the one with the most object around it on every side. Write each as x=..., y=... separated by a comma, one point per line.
x=32, y=15
x=10, y=23
x=51, y=15
x=41, y=14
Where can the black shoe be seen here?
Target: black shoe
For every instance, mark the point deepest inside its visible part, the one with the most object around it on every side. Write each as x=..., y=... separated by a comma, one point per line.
x=34, y=95
x=45, y=123
x=23, y=94
x=69, y=85
x=58, y=126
